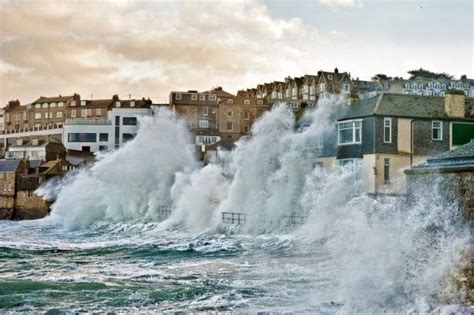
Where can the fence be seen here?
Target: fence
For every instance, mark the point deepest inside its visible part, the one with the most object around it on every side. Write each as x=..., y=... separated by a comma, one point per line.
x=234, y=217
x=164, y=211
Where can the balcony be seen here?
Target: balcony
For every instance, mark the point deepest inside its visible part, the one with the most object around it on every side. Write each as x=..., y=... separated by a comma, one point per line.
x=87, y=121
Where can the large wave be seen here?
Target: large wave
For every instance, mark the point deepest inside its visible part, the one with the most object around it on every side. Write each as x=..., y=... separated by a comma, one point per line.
x=387, y=254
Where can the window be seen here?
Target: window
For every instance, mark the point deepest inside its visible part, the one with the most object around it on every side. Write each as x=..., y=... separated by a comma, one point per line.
x=103, y=148
x=103, y=137
x=203, y=124
x=194, y=97
x=98, y=112
x=73, y=113
x=52, y=105
x=213, y=110
x=437, y=130
x=349, y=132
x=260, y=102
x=202, y=97
x=60, y=104
x=229, y=126
x=230, y=113
x=117, y=104
x=322, y=87
x=59, y=114
x=178, y=96
x=330, y=76
x=387, y=130
x=37, y=115
x=46, y=115
x=83, y=112
x=82, y=137
x=352, y=163
x=127, y=137
x=129, y=121
x=346, y=87
x=246, y=102
x=246, y=115
x=230, y=101
x=132, y=103
x=73, y=103
x=45, y=105
x=24, y=116
x=83, y=103
x=212, y=97
x=89, y=112
x=386, y=169
x=205, y=110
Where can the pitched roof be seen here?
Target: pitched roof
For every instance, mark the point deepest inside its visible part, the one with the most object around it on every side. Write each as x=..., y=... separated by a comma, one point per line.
x=403, y=105
x=44, y=99
x=465, y=151
x=9, y=165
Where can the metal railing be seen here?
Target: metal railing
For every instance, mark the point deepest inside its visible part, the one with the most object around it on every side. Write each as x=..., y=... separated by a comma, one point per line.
x=164, y=211
x=294, y=219
x=87, y=121
x=234, y=217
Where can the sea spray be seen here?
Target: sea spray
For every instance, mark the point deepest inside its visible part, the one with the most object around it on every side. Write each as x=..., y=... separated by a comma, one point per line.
x=131, y=183
x=385, y=255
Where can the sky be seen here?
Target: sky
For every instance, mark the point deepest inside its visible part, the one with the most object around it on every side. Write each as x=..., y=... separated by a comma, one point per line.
x=149, y=48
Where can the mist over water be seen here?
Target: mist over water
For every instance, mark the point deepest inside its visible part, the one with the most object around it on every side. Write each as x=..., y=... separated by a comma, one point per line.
x=352, y=254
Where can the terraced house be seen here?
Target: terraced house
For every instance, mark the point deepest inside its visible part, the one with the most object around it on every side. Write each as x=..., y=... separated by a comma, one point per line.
x=388, y=133
x=306, y=89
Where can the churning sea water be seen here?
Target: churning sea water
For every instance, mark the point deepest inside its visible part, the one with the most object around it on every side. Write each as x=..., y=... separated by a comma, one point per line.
x=106, y=246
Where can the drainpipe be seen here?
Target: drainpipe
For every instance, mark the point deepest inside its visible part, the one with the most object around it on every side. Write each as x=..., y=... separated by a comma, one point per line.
x=411, y=142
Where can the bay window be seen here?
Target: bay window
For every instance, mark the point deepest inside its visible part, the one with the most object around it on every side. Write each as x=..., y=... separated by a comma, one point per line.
x=349, y=132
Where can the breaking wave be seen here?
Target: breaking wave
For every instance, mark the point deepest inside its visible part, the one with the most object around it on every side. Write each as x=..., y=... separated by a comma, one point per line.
x=385, y=255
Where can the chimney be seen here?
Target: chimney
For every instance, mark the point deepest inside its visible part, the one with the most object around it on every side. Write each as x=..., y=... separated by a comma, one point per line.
x=454, y=103
x=336, y=70
x=115, y=97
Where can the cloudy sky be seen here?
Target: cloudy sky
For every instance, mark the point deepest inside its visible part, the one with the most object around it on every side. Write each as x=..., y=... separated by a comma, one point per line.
x=148, y=48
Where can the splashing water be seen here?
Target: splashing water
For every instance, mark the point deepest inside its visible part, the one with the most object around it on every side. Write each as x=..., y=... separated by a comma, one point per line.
x=353, y=253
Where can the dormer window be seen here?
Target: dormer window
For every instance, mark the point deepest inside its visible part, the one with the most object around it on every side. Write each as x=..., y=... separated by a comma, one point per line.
x=329, y=76
x=52, y=105
x=117, y=104
x=202, y=97
x=194, y=97
x=73, y=103
x=230, y=101
x=83, y=103
x=178, y=96
x=60, y=104
x=132, y=103
x=45, y=105
x=212, y=97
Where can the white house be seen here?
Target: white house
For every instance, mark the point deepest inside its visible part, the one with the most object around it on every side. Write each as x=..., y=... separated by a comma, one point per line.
x=94, y=135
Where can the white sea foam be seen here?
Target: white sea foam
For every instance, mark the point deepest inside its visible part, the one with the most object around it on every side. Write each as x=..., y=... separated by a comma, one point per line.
x=384, y=254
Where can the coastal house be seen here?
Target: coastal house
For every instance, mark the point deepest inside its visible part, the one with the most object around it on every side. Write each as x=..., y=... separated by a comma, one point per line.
x=450, y=174
x=36, y=148
x=103, y=124
x=200, y=111
x=388, y=133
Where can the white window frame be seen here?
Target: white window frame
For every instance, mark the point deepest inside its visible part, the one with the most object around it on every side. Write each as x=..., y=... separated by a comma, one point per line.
x=59, y=114
x=73, y=103
x=231, y=125
x=98, y=111
x=356, y=126
x=83, y=113
x=73, y=113
x=203, y=123
x=194, y=97
x=440, y=130
x=230, y=101
x=387, y=122
x=205, y=110
x=177, y=96
x=37, y=116
x=202, y=97
x=212, y=97
x=83, y=103
x=246, y=102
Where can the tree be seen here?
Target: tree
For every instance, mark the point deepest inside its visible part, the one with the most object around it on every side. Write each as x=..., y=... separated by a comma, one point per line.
x=381, y=76
x=423, y=73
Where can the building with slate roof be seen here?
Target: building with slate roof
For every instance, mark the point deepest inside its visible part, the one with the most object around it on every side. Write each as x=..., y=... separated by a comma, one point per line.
x=451, y=174
x=389, y=133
